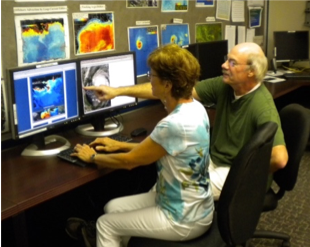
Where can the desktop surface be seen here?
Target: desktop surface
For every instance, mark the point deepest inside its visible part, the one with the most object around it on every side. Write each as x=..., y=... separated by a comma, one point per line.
x=29, y=181
x=298, y=76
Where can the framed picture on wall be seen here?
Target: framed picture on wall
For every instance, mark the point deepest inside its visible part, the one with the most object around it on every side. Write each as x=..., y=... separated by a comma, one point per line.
x=174, y=6
x=143, y=40
x=141, y=3
x=209, y=32
x=4, y=110
x=42, y=38
x=93, y=32
x=175, y=34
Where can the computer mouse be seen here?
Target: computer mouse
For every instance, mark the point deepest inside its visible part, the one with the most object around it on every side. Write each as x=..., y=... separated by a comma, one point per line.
x=138, y=132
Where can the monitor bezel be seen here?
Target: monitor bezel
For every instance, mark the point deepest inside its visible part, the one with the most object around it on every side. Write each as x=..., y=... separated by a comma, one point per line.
x=104, y=112
x=12, y=102
x=276, y=51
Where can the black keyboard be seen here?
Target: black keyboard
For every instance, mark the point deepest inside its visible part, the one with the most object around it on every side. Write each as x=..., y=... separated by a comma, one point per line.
x=65, y=154
x=298, y=76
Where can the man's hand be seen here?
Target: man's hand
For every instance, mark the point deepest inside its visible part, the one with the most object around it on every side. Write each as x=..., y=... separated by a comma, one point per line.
x=103, y=92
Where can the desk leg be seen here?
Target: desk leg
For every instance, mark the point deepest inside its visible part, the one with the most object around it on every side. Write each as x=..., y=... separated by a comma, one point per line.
x=20, y=230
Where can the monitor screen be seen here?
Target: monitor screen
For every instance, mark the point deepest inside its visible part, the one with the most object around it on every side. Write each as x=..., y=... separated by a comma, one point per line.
x=43, y=98
x=114, y=70
x=210, y=56
x=291, y=45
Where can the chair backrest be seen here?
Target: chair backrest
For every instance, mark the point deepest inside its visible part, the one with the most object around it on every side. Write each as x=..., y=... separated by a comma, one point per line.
x=295, y=121
x=242, y=197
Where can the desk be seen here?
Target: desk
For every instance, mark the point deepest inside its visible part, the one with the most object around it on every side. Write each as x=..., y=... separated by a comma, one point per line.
x=30, y=181
x=282, y=88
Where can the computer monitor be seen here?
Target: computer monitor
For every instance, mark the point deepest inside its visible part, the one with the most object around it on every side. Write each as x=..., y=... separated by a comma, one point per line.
x=43, y=97
x=115, y=70
x=291, y=46
x=210, y=56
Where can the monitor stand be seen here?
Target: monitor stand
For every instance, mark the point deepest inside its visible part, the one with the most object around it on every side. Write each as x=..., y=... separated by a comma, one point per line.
x=100, y=128
x=39, y=146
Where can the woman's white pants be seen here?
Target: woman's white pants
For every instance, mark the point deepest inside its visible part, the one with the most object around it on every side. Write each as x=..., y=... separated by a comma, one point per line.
x=138, y=215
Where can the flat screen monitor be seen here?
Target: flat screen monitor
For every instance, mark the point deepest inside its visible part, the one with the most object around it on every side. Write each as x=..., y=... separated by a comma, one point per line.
x=43, y=97
x=291, y=45
x=114, y=70
x=210, y=56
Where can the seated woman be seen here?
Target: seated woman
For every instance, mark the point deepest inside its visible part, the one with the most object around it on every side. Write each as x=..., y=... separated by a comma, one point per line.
x=181, y=207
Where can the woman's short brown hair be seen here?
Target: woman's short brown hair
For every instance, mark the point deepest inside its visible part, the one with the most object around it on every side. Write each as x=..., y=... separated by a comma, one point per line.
x=178, y=66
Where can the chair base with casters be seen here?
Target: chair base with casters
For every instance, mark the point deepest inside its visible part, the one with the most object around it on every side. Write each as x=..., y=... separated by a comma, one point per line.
x=295, y=121
x=238, y=211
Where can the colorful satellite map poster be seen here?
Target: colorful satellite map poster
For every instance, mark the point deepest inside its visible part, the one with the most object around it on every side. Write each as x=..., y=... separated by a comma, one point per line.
x=175, y=34
x=41, y=38
x=143, y=40
x=141, y=3
x=94, y=32
x=174, y=6
x=204, y=3
x=208, y=32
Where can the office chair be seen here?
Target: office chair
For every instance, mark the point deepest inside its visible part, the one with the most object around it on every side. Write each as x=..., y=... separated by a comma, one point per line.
x=295, y=120
x=238, y=210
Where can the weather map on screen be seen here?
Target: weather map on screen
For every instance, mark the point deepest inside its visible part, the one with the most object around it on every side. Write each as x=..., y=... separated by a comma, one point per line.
x=47, y=96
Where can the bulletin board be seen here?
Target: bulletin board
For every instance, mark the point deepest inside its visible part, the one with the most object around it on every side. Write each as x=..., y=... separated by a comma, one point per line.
x=121, y=15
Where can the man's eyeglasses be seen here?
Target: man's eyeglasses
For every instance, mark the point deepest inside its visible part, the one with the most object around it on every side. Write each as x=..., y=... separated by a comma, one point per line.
x=149, y=75
x=232, y=63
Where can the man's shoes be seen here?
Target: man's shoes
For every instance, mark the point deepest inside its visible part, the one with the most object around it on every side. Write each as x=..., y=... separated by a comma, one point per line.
x=82, y=230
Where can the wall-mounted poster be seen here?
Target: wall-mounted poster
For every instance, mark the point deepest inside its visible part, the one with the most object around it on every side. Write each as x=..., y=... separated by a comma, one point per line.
x=143, y=40
x=174, y=6
x=93, y=32
x=175, y=34
x=141, y=4
x=40, y=0
x=208, y=32
x=255, y=16
x=41, y=38
x=4, y=109
x=204, y=3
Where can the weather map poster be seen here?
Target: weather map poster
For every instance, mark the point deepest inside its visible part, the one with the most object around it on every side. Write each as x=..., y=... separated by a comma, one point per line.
x=94, y=32
x=47, y=97
x=141, y=4
x=205, y=3
x=143, y=40
x=175, y=34
x=42, y=38
x=174, y=6
x=208, y=32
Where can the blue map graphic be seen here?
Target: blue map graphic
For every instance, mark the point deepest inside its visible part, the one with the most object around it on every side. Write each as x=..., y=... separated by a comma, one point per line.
x=47, y=98
x=175, y=34
x=143, y=41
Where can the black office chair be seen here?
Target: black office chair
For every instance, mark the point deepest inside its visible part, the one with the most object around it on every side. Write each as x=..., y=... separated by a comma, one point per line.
x=295, y=120
x=238, y=210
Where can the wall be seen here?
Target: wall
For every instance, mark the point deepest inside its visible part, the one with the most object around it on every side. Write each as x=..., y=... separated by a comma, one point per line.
x=283, y=16
x=124, y=17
